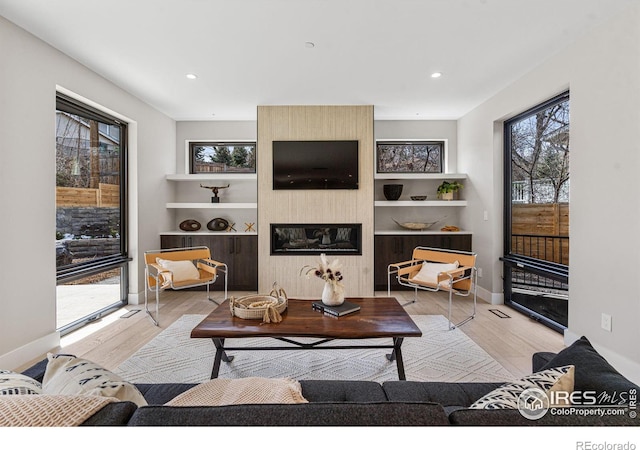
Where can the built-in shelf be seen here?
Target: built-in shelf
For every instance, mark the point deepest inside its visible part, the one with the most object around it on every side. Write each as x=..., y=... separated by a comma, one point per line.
x=211, y=176
x=209, y=233
x=212, y=205
x=420, y=176
x=408, y=232
x=422, y=203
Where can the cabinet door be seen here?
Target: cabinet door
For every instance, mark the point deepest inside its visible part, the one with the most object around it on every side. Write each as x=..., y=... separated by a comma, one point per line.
x=244, y=274
x=457, y=242
x=187, y=240
x=387, y=250
x=240, y=254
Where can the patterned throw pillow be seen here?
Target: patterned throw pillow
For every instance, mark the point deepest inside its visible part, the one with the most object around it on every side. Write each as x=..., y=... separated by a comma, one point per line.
x=12, y=383
x=506, y=396
x=68, y=375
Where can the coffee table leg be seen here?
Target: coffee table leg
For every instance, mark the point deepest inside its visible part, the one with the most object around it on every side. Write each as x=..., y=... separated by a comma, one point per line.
x=220, y=355
x=397, y=355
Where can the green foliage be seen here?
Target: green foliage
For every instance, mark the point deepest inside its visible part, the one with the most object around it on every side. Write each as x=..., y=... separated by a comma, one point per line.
x=447, y=187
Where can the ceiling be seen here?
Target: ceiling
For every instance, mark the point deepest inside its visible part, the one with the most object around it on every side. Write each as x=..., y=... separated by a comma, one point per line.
x=365, y=52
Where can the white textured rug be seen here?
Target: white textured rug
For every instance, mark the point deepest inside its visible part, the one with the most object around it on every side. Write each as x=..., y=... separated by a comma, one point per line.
x=439, y=355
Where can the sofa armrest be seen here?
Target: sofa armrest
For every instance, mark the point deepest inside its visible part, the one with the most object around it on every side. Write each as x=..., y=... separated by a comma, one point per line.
x=113, y=414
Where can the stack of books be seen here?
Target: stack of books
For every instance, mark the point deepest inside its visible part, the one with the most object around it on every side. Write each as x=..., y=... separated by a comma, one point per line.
x=339, y=310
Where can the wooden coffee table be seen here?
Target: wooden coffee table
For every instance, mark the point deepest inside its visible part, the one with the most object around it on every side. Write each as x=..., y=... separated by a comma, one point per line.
x=379, y=317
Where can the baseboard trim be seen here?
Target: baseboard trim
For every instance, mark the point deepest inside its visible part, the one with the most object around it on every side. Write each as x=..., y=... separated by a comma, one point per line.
x=490, y=297
x=31, y=351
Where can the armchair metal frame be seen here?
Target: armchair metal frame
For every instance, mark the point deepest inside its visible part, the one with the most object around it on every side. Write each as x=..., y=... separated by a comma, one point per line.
x=461, y=281
x=158, y=279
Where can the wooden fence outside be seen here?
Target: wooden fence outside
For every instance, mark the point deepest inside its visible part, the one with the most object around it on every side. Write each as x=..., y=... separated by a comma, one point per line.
x=107, y=195
x=541, y=231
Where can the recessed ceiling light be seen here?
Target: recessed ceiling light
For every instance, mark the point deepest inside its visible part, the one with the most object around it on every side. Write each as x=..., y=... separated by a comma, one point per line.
x=309, y=44
x=191, y=76
x=436, y=74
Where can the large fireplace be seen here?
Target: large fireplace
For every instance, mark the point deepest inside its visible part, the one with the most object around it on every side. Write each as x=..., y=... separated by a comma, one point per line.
x=313, y=239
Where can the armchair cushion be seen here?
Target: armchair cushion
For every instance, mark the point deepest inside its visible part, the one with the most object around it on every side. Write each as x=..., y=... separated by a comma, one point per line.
x=180, y=270
x=429, y=271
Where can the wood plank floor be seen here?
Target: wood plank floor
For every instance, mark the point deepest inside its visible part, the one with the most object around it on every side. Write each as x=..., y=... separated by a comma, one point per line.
x=511, y=341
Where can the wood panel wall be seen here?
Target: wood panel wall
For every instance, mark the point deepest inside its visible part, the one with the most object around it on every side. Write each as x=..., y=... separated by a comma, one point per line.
x=315, y=206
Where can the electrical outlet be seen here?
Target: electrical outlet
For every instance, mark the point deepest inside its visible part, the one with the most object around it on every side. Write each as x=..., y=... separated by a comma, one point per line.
x=479, y=272
x=606, y=322
x=486, y=215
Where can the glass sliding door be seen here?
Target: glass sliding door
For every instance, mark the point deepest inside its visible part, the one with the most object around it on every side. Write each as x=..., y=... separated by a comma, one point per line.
x=536, y=247
x=91, y=250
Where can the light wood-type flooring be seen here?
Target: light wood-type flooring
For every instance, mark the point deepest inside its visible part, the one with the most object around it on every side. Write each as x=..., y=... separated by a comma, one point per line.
x=511, y=341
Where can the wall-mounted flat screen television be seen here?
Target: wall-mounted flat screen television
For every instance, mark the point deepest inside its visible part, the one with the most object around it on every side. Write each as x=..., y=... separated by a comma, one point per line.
x=315, y=164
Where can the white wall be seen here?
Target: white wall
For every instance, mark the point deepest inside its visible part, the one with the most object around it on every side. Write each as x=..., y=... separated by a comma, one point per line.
x=29, y=74
x=602, y=71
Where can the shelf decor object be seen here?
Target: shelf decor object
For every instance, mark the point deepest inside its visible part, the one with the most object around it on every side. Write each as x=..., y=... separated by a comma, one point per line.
x=218, y=224
x=447, y=189
x=215, y=189
x=392, y=191
x=417, y=226
x=189, y=225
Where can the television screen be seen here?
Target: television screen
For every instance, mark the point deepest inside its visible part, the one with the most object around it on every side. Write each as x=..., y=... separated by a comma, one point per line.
x=315, y=164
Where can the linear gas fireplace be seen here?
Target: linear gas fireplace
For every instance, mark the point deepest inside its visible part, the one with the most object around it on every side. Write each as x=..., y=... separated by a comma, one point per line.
x=313, y=239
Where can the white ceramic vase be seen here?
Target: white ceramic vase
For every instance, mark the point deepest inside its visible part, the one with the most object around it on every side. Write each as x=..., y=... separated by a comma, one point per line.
x=331, y=296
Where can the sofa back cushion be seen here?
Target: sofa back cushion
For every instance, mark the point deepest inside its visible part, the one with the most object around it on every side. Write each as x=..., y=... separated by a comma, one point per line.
x=336, y=391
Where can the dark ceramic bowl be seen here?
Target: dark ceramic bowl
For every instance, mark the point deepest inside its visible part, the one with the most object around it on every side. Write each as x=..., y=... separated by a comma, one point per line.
x=392, y=191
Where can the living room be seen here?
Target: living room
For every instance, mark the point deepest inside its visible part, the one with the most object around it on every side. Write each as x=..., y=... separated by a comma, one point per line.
x=601, y=68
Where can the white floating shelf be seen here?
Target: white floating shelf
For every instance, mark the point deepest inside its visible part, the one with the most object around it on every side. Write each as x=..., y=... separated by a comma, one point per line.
x=211, y=176
x=408, y=232
x=209, y=233
x=213, y=205
x=405, y=203
x=420, y=176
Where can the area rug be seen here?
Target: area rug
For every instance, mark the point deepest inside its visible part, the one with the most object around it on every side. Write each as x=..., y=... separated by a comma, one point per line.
x=439, y=355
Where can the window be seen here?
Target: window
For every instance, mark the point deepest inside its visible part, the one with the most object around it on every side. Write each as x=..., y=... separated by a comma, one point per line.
x=410, y=157
x=224, y=157
x=536, y=252
x=91, y=245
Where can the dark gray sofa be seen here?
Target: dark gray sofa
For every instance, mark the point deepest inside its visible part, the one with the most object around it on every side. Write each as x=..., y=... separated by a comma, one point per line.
x=366, y=403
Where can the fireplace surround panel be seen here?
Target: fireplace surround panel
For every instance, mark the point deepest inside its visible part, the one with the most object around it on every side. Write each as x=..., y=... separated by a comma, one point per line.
x=313, y=239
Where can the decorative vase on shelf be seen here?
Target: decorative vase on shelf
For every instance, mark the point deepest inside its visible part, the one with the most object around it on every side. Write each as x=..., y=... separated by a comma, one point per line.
x=332, y=295
x=392, y=191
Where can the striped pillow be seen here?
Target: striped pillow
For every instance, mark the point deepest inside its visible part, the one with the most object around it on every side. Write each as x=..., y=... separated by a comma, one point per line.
x=12, y=383
x=506, y=396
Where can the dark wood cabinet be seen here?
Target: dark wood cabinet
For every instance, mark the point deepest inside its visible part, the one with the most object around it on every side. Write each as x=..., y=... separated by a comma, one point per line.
x=239, y=253
x=396, y=248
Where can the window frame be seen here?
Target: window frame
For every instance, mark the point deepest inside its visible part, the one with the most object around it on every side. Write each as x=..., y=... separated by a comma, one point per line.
x=77, y=271
x=442, y=143
x=191, y=148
